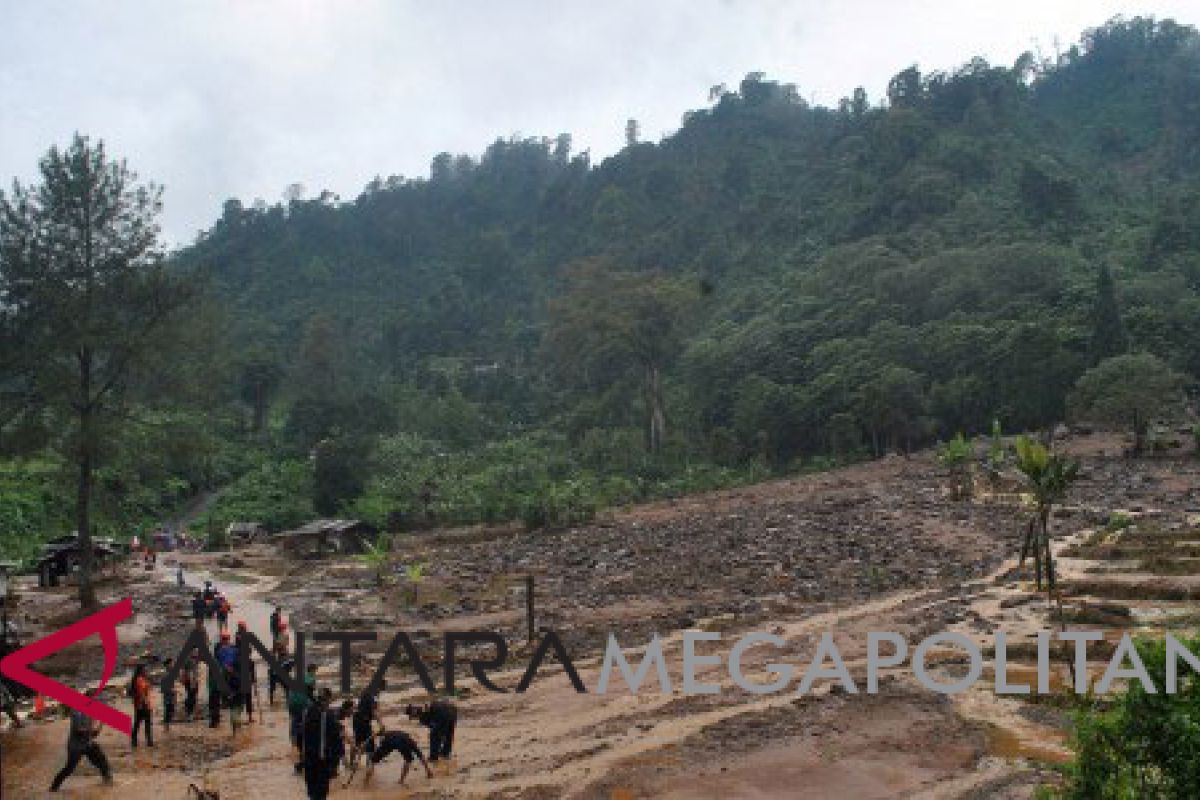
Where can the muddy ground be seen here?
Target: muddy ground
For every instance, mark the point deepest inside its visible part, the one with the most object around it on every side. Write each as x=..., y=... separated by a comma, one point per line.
x=879, y=546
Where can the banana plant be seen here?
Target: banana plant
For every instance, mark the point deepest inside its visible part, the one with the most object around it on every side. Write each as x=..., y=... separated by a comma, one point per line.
x=1049, y=476
x=413, y=573
x=956, y=455
x=376, y=555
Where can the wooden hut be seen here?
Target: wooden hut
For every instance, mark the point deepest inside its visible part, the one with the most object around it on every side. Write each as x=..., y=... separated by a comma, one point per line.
x=327, y=536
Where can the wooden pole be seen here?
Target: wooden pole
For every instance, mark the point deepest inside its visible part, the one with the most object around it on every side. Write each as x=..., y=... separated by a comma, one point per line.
x=529, y=624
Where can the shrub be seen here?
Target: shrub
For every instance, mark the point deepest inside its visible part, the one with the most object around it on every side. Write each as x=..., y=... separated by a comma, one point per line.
x=1147, y=745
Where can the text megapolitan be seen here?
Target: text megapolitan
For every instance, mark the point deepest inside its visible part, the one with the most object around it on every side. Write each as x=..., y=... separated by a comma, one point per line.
x=885, y=650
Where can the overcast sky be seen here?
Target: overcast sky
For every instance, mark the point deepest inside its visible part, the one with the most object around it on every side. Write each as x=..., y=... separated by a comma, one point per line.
x=243, y=97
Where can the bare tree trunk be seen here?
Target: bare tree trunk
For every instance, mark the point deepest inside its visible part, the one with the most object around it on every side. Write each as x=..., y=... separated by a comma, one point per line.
x=83, y=501
x=260, y=408
x=654, y=403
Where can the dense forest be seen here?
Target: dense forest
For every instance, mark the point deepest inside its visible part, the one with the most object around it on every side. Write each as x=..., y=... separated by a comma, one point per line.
x=776, y=286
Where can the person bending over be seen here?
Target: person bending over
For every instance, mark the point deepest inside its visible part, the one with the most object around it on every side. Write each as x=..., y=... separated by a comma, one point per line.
x=389, y=742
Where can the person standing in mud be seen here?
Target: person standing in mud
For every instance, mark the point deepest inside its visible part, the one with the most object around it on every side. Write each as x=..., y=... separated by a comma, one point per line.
x=214, y=690
x=169, y=697
x=9, y=704
x=223, y=609
x=319, y=745
x=366, y=713
x=276, y=622
x=142, y=710
x=189, y=678
x=298, y=703
x=344, y=713
x=81, y=743
x=199, y=609
x=286, y=665
x=441, y=717
x=247, y=693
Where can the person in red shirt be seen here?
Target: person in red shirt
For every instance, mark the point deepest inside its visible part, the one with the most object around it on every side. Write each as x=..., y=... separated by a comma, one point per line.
x=142, y=710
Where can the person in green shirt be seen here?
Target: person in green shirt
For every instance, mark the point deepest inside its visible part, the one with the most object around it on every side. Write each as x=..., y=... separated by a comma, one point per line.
x=298, y=702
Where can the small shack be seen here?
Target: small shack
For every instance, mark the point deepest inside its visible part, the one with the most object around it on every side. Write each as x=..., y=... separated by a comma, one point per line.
x=245, y=532
x=322, y=536
x=60, y=558
x=164, y=541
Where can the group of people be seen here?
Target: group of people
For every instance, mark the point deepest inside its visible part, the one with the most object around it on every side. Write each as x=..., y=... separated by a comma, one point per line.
x=320, y=736
x=209, y=603
x=317, y=730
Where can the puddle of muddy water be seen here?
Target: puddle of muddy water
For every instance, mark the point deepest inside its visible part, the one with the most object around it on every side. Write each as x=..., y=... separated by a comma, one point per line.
x=1049, y=747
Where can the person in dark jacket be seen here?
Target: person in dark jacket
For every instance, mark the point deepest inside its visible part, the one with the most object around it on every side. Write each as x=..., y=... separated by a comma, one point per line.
x=199, y=609
x=81, y=743
x=366, y=713
x=247, y=694
x=320, y=745
x=396, y=742
x=274, y=680
x=441, y=717
x=189, y=677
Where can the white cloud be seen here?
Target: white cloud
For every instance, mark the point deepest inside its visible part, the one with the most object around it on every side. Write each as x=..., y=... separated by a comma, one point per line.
x=241, y=98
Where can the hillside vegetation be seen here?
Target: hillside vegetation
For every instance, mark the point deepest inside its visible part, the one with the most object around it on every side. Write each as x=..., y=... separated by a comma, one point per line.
x=775, y=286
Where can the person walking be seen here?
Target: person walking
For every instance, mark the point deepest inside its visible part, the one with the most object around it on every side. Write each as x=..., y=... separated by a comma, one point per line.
x=319, y=745
x=81, y=743
x=142, y=709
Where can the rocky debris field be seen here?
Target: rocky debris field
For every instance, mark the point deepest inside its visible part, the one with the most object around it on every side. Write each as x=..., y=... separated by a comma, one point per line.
x=878, y=546
x=744, y=555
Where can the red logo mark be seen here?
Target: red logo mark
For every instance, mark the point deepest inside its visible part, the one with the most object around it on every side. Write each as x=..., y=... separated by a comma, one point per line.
x=104, y=622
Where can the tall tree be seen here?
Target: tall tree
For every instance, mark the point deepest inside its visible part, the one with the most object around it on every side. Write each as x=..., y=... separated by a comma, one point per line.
x=85, y=297
x=260, y=377
x=609, y=323
x=1108, y=332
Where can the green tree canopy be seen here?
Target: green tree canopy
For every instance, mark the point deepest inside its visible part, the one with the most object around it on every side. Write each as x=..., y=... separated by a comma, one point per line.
x=610, y=324
x=1130, y=391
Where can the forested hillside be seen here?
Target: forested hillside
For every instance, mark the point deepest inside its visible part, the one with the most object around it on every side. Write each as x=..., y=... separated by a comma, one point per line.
x=530, y=334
